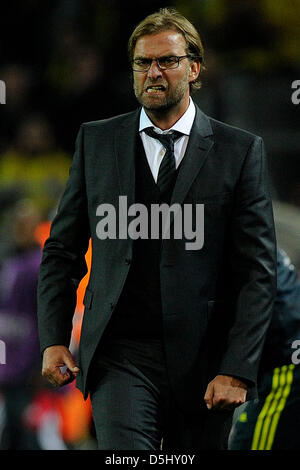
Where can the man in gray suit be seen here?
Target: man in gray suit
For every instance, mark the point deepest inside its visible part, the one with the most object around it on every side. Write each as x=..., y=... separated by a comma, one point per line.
x=172, y=332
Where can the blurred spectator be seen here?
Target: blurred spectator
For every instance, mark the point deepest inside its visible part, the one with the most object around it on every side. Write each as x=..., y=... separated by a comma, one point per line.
x=77, y=88
x=272, y=421
x=18, y=326
x=33, y=415
x=59, y=419
x=33, y=166
x=21, y=89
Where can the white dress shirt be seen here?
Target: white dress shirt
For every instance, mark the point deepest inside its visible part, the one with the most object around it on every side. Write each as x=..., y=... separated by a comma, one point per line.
x=155, y=150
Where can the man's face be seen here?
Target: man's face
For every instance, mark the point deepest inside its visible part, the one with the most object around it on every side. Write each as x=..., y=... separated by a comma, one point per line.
x=163, y=89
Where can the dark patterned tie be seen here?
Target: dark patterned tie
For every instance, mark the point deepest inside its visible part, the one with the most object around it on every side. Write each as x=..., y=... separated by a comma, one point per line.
x=167, y=170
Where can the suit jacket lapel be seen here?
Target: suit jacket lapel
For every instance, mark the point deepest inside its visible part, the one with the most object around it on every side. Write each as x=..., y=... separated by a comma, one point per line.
x=196, y=153
x=125, y=140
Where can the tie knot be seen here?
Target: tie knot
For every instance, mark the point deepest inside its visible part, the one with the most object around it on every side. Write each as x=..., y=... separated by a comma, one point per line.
x=167, y=140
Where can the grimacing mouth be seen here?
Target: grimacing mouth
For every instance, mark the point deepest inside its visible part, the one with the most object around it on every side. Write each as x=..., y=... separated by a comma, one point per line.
x=154, y=88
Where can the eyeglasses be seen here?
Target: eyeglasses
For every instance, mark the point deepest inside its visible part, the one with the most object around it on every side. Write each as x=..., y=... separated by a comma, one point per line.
x=142, y=64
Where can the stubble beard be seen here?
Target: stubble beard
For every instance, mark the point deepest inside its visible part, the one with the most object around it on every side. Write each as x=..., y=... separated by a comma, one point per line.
x=167, y=103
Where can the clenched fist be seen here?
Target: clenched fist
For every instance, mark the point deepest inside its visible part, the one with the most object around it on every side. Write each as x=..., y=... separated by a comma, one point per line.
x=225, y=393
x=54, y=358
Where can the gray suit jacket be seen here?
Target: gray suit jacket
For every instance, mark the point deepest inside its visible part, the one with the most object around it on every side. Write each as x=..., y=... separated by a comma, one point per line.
x=217, y=301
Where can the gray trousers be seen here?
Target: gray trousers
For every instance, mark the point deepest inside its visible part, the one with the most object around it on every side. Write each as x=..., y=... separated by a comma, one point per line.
x=133, y=407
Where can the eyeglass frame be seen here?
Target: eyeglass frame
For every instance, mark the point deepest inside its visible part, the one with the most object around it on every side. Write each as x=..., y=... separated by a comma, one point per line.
x=178, y=57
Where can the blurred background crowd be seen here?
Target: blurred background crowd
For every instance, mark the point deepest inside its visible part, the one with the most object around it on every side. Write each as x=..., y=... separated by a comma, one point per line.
x=65, y=62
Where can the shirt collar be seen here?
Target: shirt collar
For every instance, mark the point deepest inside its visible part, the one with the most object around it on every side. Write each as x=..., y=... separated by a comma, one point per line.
x=183, y=125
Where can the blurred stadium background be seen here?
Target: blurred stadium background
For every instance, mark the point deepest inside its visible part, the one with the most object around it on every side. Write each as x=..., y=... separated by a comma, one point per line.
x=65, y=62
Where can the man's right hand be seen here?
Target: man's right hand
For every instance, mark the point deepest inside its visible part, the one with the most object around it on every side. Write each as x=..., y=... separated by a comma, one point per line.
x=54, y=358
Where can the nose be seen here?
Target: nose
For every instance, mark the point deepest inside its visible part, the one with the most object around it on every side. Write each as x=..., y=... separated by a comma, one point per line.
x=154, y=71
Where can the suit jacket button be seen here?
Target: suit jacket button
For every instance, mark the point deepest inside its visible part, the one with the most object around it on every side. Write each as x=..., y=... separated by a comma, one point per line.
x=127, y=261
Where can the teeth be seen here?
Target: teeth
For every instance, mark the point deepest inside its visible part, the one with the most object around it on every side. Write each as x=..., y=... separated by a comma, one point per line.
x=155, y=88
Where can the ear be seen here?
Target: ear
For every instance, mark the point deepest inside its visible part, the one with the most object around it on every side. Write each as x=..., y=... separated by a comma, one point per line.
x=195, y=67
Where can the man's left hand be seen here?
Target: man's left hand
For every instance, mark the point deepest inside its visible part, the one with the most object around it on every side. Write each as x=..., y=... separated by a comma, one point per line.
x=225, y=393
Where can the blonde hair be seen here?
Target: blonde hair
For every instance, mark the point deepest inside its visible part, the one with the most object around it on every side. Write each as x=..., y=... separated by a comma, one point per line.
x=169, y=19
